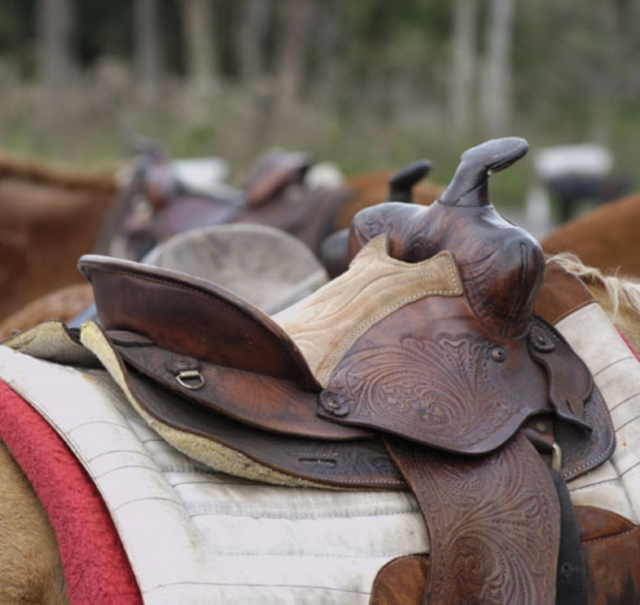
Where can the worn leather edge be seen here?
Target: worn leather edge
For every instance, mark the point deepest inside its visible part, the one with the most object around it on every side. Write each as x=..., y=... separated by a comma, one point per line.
x=561, y=294
x=240, y=450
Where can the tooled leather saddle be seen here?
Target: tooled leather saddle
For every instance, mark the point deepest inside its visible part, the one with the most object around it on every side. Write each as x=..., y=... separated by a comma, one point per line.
x=422, y=367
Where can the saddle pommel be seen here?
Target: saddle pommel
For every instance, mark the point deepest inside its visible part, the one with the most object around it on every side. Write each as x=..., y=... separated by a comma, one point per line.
x=501, y=264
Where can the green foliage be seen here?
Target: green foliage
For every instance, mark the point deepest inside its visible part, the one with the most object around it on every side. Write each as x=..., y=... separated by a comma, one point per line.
x=375, y=92
x=106, y=29
x=196, y=140
x=17, y=32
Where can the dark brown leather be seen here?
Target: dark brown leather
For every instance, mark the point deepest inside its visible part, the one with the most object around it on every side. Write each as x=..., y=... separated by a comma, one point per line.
x=597, y=523
x=334, y=249
x=612, y=550
x=274, y=172
x=274, y=404
x=456, y=374
x=463, y=390
x=611, y=545
x=494, y=530
x=193, y=317
x=251, y=363
x=401, y=581
x=306, y=214
x=401, y=184
x=561, y=294
x=357, y=464
x=501, y=265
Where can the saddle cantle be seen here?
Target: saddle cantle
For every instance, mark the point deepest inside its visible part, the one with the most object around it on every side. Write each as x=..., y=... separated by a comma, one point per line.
x=422, y=366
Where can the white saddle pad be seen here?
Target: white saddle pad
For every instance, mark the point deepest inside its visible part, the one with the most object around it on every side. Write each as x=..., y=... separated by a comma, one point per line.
x=199, y=537
x=196, y=536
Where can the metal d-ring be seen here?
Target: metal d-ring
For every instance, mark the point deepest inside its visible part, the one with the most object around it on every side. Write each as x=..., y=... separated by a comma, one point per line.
x=185, y=375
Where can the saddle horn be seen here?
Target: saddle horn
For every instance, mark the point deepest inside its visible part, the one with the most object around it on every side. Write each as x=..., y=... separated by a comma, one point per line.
x=501, y=264
x=401, y=184
x=469, y=185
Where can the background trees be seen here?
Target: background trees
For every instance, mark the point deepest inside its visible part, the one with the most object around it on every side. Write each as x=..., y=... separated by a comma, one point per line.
x=364, y=83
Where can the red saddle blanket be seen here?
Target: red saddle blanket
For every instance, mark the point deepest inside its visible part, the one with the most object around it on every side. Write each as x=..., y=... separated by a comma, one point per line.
x=96, y=567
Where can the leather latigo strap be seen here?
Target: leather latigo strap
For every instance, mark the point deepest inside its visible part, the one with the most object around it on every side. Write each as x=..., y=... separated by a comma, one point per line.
x=493, y=523
x=611, y=546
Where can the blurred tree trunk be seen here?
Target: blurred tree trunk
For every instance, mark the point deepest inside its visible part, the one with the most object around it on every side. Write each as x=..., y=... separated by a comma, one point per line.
x=605, y=84
x=464, y=43
x=256, y=20
x=255, y=24
x=294, y=17
x=495, y=93
x=200, y=50
x=55, y=24
x=378, y=33
x=57, y=71
x=330, y=66
x=147, y=50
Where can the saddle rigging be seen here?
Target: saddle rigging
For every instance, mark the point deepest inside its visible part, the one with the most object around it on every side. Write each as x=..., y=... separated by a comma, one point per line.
x=422, y=367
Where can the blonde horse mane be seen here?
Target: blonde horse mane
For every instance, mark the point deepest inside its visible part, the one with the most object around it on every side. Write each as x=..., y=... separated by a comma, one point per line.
x=618, y=295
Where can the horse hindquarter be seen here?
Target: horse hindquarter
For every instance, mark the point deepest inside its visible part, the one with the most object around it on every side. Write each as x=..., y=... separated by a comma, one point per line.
x=30, y=565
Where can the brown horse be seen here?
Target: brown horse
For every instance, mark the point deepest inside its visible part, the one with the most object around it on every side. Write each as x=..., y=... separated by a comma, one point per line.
x=49, y=217
x=30, y=567
x=606, y=238
x=29, y=560
x=63, y=304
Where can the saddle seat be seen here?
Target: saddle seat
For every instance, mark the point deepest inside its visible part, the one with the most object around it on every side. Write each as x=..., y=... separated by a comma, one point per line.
x=423, y=367
x=263, y=265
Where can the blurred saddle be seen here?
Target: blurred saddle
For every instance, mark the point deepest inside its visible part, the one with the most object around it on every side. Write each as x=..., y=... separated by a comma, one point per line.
x=157, y=204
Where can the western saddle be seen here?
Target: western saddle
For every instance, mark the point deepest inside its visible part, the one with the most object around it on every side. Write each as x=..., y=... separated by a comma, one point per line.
x=423, y=367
